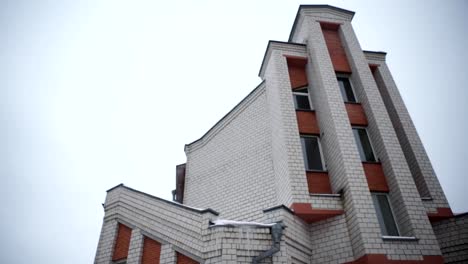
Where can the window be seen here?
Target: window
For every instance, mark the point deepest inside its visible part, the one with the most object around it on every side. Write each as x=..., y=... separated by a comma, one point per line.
x=346, y=89
x=363, y=144
x=311, y=153
x=301, y=99
x=384, y=214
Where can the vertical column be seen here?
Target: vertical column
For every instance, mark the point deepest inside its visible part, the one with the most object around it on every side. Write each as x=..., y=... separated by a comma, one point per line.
x=420, y=166
x=344, y=165
x=106, y=242
x=408, y=207
x=287, y=153
x=168, y=255
x=136, y=246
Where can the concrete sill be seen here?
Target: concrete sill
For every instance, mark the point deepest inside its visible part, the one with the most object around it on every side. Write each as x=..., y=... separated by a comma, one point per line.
x=399, y=238
x=304, y=110
x=325, y=194
x=356, y=103
x=426, y=198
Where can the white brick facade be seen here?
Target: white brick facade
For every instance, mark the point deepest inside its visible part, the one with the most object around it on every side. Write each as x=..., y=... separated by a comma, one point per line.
x=453, y=238
x=250, y=167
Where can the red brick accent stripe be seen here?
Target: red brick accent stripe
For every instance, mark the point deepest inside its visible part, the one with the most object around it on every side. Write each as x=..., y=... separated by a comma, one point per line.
x=151, y=251
x=335, y=47
x=375, y=177
x=442, y=213
x=383, y=259
x=182, y=259
x=373, y=67
x=122, y=242
x=297, y=71
x=307, y=122
x=318, y=182
x=356, y=114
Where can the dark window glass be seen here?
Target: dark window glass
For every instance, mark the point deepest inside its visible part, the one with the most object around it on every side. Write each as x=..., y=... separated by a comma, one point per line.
x=301, y=102
x=385, y=215
x=311, y=153
x=301, y=99
x=346, y=90
x=363, y=144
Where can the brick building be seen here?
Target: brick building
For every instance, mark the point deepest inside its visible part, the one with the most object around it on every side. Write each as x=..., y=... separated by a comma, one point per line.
x=320, y=163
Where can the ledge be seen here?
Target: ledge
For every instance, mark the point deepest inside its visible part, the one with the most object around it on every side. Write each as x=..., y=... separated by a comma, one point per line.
x=274, y=208
x=399, y=238
x=426, y=199
x=311, y=215
x=354, y=103
x=442, y=213
x=322, y=171
x=305, y=110
x=371, y=162
x=335, y=195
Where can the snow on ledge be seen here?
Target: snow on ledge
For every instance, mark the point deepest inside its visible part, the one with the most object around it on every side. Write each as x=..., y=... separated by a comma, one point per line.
x=225, y=222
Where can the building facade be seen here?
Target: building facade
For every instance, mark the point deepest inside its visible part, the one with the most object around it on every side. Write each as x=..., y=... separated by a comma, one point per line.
x=320, y=163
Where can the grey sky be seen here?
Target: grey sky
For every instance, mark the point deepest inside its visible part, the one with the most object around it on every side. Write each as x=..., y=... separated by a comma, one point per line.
x=93, y=94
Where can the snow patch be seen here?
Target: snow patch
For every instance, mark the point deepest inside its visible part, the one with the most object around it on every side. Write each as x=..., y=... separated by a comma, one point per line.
x=225, y=222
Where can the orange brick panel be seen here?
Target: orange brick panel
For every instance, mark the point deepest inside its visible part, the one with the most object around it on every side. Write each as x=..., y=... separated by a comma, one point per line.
x=297, y=71
x=122, y=243
x=442, y=213
x=375, y=177
x=318, y=182
x=182, y=259
x=336, y=50
x=307, y=122
x=151, y=251
x=356, y=114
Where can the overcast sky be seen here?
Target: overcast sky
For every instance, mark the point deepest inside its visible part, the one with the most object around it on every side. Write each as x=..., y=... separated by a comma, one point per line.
x=93, y=94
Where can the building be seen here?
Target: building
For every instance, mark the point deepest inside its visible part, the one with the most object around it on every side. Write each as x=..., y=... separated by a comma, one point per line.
x=320, y=163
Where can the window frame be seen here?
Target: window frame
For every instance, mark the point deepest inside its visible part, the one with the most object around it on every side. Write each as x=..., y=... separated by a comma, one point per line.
x=322, y=158
x=370, y=143
x=347, y=76
x=382, y=225
x=302, y=94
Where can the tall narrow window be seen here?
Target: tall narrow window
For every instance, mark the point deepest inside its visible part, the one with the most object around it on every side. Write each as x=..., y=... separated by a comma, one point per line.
x=384, y=212
x=301, y=99
x=363, y=144
x=311, y=153
x=346, y=89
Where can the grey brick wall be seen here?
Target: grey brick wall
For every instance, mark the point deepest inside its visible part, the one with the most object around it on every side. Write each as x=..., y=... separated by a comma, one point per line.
x=288, y=163
x=408, y=208
x=330, y=241
x=106, y=242
x=230, y=169
x=452, y=235
x=420, y=166
x=177, y=228
x=136, y=246
x=343, y=162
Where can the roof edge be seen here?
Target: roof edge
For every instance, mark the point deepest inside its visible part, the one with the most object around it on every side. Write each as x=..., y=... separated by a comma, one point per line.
x=225, y=116
x=270, y=42
x=316, y=6
x=375, y=52
x=201, y=211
